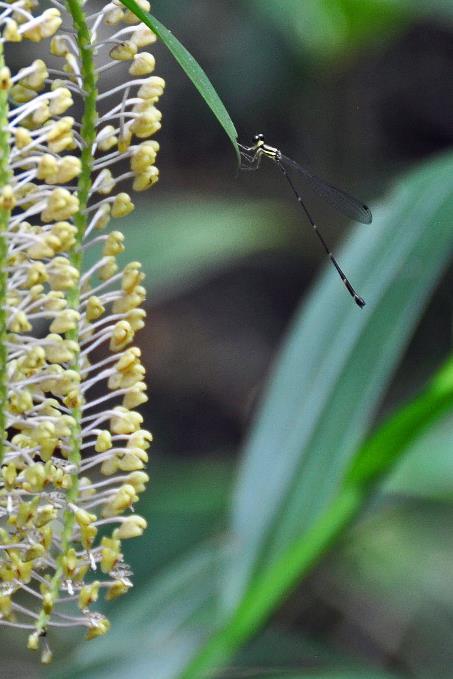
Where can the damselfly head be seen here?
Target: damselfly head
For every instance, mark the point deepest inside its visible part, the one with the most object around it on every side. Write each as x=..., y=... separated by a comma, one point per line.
x=258, y=138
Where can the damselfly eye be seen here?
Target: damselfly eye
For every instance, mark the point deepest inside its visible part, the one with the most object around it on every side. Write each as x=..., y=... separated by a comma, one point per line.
x=258, y=137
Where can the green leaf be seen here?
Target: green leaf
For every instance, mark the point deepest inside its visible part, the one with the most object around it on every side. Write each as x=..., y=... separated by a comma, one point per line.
x=191, y=68
x=334, y=367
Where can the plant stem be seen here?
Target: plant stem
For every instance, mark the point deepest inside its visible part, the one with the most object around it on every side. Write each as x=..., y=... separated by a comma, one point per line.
x=4, y=218
x=88, y=135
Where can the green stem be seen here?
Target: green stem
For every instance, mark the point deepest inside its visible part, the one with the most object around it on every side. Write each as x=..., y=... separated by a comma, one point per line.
x=88, y=135
x=4, y=218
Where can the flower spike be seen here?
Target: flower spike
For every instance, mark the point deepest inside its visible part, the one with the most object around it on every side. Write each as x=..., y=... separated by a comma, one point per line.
x=72, y=446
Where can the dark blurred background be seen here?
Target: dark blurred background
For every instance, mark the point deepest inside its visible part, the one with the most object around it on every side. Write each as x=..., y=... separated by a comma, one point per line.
x=357, y=91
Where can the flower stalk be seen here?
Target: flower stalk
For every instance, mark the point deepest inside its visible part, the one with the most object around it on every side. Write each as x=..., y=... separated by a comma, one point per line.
x=73, y=445
x=4, y=218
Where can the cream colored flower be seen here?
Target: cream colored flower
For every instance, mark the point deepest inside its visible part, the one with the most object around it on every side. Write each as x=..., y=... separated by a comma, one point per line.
x=70, y=330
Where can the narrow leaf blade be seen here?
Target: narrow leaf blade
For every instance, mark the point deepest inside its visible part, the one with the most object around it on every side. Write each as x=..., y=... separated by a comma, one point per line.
x=191, y=68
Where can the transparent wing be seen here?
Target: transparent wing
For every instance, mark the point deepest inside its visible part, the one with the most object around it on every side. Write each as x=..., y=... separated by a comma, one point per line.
x=340, y=200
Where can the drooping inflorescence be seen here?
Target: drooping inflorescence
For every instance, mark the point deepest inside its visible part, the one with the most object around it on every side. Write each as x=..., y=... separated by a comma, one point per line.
x=75, y=129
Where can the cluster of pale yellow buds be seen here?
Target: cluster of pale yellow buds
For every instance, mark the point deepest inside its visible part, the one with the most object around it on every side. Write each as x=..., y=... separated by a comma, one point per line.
x=73, y=448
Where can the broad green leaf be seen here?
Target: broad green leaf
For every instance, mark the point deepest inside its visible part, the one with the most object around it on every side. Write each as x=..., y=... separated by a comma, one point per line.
x=334, y=367
x=180, y=243
x=371, y=462
x=191, y=68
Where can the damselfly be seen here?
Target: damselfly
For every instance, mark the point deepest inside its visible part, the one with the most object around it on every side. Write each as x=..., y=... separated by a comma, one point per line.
x=340, y=200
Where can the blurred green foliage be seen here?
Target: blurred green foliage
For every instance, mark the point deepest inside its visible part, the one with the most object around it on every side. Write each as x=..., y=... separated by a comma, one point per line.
x=427, y=476
x=181, y=242
x=327, y=29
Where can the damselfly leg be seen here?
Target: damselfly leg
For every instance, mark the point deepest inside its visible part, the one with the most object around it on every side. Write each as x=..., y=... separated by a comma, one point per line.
x=253, y=158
